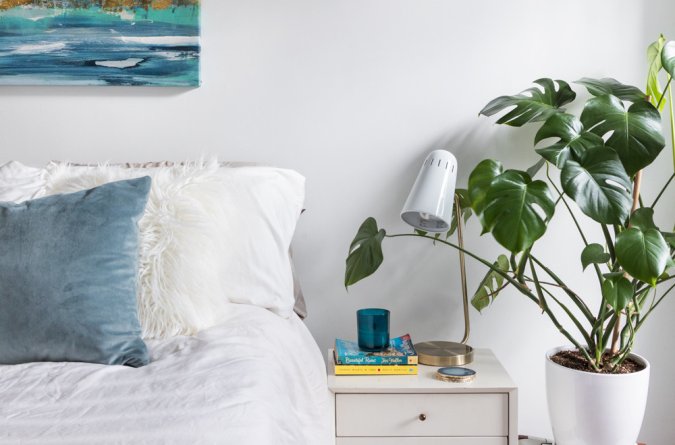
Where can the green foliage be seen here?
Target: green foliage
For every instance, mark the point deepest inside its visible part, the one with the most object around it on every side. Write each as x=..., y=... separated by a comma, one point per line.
x=670, y=238
x=492, y=283
x=617, y=292
x=668, y=58
x=655, y=65
x=643, y=219
x=365, y=252
x=510, y=205
x=532, y=105
x=599, y=185
x=642, y=253
x=668, y=64
x=516, y=210
x=599, y=154
x=573, y=139
x=635, y=132
x=593, y=254
x=462, y=195
x=479, y=183
x=534, y=169
x=609, y=86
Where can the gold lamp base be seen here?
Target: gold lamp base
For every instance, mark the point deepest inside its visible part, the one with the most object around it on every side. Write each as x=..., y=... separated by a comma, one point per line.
x=443, y=353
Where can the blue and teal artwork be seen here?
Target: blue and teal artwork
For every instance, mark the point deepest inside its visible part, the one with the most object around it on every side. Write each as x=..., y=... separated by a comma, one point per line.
x=99, y=42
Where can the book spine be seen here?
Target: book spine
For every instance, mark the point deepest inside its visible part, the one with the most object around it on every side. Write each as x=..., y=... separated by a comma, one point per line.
x=375, y=370
x=374, y=360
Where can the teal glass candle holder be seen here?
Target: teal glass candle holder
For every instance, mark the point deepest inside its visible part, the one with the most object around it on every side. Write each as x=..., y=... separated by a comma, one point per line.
x=373, y=329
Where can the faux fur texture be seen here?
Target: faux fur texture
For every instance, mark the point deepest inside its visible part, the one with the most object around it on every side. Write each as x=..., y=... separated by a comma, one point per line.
x=180, y=288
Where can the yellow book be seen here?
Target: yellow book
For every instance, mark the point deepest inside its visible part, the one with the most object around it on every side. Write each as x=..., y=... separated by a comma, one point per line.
x=375, y=370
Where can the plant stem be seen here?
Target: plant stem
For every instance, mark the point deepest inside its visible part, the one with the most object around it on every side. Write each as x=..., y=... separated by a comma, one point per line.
x=545, y=283
x=521, y=265
x=663, y=190
x=636, y=306
x=575, y=320
x=501, y=288
x=573, y=296
x=643, y=286
x=636, y=190
x=523, y=289
x=537, y=285
x=608, y=331
x=544, y=307
x=576, y=223
x=610, y=243
x=664, y=92
x=626, y=347
x=636, y=202
x=598, y=328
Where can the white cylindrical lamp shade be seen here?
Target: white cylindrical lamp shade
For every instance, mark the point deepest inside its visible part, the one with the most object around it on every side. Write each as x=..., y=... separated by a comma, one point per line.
x=429, y=205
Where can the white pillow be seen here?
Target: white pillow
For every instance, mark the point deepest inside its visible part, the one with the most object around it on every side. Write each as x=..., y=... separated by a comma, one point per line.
x=209, y=236
x=19, y=182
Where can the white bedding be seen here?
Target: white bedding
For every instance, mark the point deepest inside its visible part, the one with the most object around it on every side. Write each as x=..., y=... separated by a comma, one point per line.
x=255, y=379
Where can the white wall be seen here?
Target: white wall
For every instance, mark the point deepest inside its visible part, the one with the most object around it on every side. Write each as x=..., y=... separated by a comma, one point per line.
x=353, y=94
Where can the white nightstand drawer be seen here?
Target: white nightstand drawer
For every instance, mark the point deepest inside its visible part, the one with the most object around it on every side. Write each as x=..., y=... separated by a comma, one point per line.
x=387, y=415
x=421, y=441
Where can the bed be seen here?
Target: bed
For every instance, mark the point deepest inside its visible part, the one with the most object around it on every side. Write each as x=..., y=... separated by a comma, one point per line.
x=253, y=374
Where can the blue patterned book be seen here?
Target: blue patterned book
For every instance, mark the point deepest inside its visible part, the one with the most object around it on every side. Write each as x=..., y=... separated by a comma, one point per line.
x=400, y=352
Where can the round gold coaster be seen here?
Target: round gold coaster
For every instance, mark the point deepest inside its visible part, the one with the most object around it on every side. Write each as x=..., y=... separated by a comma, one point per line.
x=456, y=374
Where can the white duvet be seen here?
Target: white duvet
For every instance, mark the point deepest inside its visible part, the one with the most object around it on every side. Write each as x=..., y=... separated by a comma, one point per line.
x=255, y=379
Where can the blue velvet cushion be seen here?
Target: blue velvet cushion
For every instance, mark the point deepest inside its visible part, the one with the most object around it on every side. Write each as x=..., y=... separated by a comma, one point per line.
x=68, y=266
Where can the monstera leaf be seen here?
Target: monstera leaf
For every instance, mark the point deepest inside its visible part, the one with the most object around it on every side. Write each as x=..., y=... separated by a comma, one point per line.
x=593, y=254
x=635, y=133
x=670, y=238
x=668, y=61
x=365, y=252
x=574, y=141
x=599, y=185
x=491, y=285
x=617, y=292
x=513, y=207
x=643, y=219
x=462, y=195
x=668, y=58
x=601, y=87
x=534, y=169
x=642, y=253
x=532, y=105
x=479, y=183
x=654, y=91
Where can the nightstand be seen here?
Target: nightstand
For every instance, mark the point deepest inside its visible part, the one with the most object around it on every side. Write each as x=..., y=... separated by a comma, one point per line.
x=408, y=410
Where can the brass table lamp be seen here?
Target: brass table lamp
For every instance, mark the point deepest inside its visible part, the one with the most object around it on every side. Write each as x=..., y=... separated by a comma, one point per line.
x=429, y=208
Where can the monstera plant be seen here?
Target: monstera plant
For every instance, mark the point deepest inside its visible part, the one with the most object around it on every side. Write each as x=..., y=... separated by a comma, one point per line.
x=591, y=166
x=600, y=155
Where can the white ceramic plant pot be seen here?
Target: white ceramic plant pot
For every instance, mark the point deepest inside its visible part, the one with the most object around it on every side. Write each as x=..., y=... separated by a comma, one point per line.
x=595, y=409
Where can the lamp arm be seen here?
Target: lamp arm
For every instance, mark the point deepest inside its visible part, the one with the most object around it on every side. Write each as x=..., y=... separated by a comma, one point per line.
x=462, y=270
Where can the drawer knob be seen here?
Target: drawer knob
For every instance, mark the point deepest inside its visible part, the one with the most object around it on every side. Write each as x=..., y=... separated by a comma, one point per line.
x=423, y=417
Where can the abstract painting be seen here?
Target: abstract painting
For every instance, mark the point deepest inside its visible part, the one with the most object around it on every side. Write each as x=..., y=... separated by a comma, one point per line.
x=99, y=42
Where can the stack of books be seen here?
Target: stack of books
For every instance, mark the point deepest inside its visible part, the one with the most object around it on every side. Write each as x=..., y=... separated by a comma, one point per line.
x=399, y=359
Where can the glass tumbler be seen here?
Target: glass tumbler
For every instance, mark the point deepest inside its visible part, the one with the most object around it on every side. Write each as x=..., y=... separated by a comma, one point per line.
x=373, y=329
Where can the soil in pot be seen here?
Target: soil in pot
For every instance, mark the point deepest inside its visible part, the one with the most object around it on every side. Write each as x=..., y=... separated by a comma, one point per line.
x=575, y=360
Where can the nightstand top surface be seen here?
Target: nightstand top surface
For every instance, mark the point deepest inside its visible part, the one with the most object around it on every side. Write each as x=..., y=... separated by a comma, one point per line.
x=490, y=377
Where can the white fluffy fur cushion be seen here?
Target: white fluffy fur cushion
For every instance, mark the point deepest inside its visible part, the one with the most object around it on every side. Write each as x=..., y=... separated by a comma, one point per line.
x=209, y=236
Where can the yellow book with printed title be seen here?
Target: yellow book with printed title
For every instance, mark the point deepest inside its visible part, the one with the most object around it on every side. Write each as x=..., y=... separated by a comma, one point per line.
x=375, y=370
